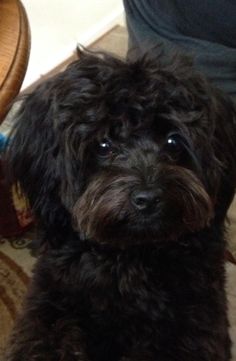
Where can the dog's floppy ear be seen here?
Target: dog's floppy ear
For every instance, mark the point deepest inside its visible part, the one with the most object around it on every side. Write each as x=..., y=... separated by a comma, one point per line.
x=224, y=144
x=33, y=158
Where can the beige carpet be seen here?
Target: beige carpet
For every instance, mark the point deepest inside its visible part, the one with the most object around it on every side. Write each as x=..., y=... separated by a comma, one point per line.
x=232, y=228
x=13, y=285
x=16, y=260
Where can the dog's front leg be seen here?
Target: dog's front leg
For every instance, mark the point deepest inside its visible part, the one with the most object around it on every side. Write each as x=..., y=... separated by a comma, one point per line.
x=32, y=341
x=139, y=356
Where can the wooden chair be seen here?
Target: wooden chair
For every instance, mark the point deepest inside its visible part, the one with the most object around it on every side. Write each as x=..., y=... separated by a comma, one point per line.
x=14, y=51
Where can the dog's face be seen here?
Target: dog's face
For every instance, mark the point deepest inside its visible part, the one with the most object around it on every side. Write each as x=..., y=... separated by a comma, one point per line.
x=126, y=153
x=145, y=179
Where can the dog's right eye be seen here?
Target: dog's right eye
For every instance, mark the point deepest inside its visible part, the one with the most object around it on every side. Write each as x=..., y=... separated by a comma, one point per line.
x=175, y=143
x=105, y=148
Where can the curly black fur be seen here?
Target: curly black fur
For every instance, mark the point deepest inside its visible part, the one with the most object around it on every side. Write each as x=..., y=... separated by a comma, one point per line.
x=130, y=169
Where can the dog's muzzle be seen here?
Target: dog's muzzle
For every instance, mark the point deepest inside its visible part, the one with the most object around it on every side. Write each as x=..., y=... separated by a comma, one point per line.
x=121, y=204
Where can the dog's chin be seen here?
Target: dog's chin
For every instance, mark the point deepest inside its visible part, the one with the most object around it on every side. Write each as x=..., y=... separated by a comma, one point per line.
x=143, y=230
x=147, y=230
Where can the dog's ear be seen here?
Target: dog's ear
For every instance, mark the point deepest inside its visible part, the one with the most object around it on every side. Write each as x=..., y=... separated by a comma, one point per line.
x=224, y=144
x=33, y=158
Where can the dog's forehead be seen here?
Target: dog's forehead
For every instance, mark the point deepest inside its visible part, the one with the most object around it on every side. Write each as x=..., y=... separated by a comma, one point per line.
x=119, y=100
x=158, y=107
x=131, y=117
x=122, y=121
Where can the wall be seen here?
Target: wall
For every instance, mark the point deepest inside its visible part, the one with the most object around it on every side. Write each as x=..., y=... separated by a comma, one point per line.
x=58, y=25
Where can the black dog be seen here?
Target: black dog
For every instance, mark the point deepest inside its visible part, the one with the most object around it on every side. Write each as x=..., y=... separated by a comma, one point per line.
x=130, y=169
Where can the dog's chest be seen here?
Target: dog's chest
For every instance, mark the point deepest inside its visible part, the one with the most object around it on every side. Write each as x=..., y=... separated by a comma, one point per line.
x=126, y=306
x=146, y=300
x=143, y=302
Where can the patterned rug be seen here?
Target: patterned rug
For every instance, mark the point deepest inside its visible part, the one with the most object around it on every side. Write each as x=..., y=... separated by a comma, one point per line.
x=16, y=263
x=13, y=285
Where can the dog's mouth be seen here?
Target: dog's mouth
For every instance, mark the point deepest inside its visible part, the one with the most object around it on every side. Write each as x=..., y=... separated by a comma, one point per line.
x=111, y=210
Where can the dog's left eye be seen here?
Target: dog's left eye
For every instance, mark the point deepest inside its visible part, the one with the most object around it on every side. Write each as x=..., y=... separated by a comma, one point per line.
x=105, y=148
x=173, y=140
x=174, y=143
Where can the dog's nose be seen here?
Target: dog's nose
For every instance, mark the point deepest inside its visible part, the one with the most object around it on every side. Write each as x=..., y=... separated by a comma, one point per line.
x=144, y=199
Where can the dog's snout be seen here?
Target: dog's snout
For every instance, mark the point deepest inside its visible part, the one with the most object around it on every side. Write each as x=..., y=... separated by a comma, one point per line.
x=144, y=199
